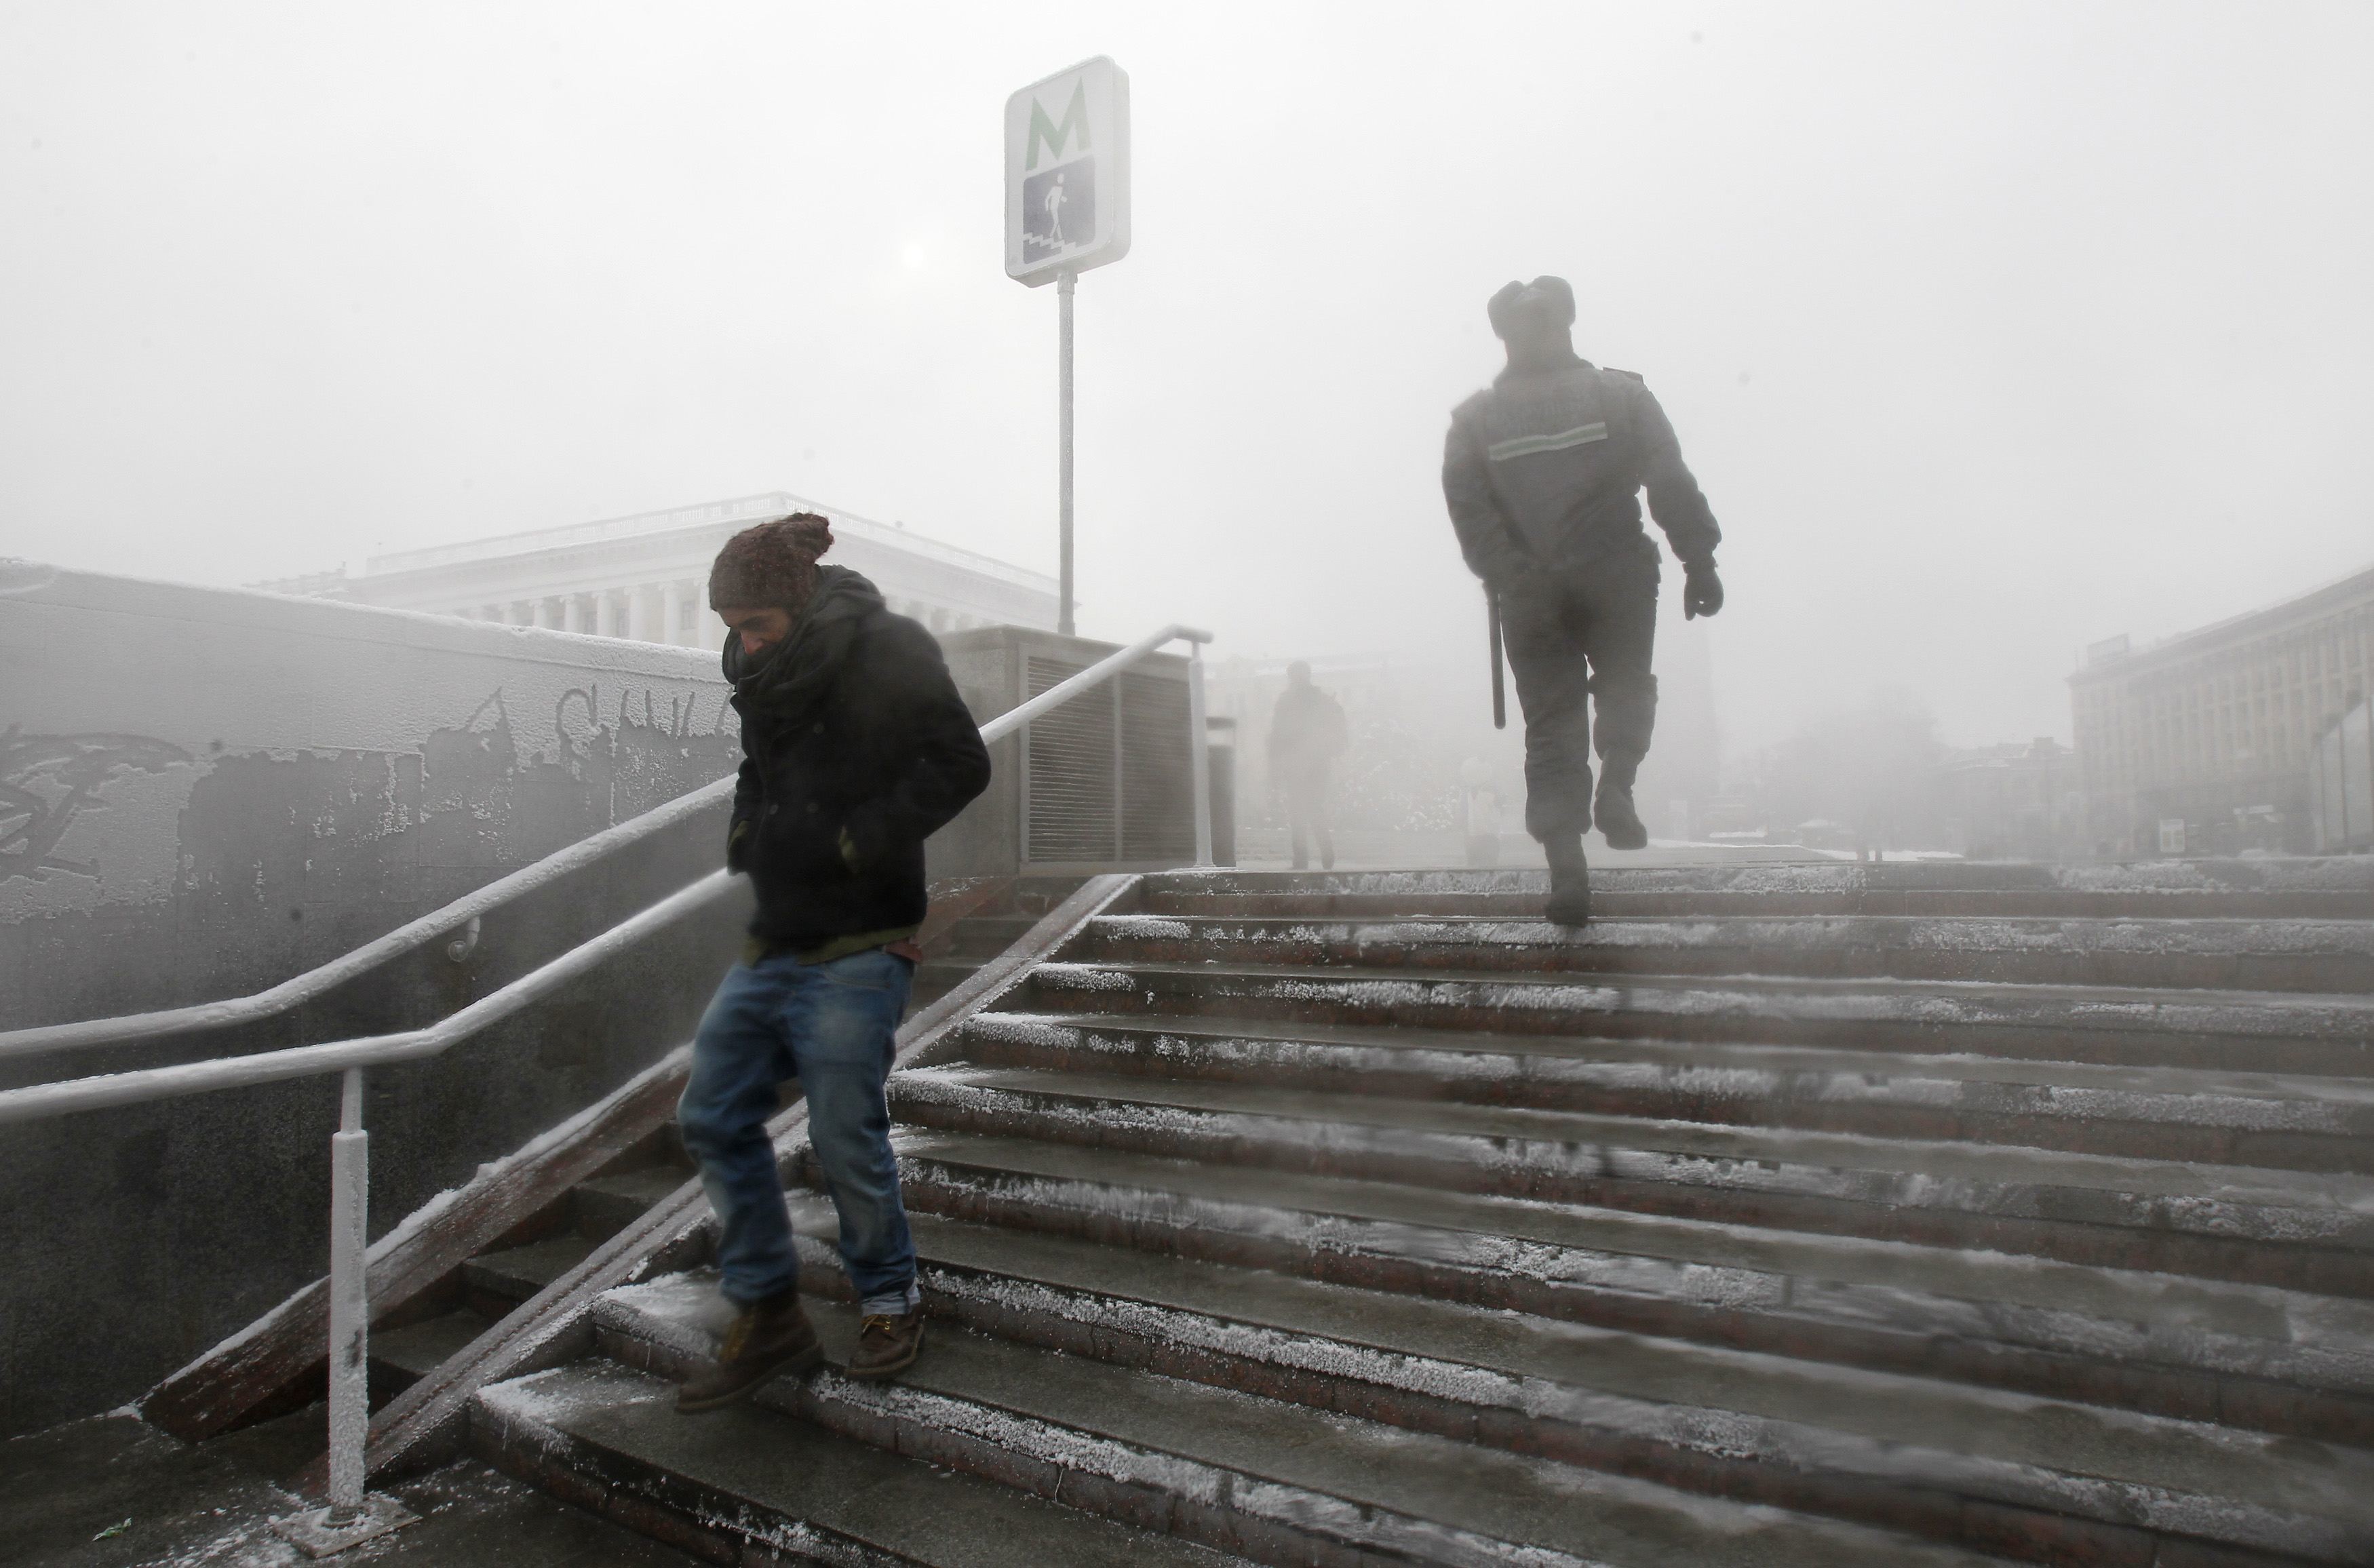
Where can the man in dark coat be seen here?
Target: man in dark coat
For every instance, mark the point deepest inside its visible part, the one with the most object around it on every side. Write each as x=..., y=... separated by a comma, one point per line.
x=1306, y=733
x=1543, y=474
x=856, y=747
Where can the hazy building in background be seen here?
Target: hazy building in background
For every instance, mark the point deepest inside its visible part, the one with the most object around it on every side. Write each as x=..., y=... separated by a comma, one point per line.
x=2200, y=743
x=2016, y=801
x=2340, y=785
x=646, y=576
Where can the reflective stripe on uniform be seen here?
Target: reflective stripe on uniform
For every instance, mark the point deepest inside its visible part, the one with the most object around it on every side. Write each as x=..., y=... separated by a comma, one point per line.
x=1519, y=446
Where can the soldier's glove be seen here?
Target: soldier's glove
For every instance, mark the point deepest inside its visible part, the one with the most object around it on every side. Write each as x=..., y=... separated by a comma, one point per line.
x=1701, y=591
x=737, y=846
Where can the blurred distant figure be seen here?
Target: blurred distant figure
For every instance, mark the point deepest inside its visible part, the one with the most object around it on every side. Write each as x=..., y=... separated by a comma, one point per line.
x=1543, y=475
x=1306, y=735
x=1479, y=802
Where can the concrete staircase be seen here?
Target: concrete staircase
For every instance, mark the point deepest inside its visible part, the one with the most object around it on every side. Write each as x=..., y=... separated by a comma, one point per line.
x=429, y=1330
x=1789, y=1214
x=953, y=955
x=438, y=1324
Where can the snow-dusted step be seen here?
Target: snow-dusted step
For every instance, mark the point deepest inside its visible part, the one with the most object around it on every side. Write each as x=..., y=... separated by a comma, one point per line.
x=752, y=1485
x=606, y=1205
x=2269, y=954
x=2285, y=1361
x=497, y=1282
x=2196, y=1114
x=2264, y=1031
x=1858, y=1444
x=2340, y=888
x=1276, y=1480
x=2300, y=1230
x=401, y=1357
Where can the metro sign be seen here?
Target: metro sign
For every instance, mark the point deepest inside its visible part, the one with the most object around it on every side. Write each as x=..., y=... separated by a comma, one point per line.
x=1067, y=172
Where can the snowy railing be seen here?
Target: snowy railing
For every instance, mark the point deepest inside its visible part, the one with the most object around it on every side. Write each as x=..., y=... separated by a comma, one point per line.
x=347, y=1520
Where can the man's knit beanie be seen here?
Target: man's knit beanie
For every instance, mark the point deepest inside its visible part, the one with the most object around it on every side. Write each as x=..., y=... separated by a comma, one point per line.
x=770, y=564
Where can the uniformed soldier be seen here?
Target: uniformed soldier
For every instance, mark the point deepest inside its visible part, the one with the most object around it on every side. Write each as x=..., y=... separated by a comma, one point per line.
x=1542, y=473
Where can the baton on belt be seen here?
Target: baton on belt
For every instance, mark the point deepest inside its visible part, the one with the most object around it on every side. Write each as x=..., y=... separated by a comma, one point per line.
x=1499, y=694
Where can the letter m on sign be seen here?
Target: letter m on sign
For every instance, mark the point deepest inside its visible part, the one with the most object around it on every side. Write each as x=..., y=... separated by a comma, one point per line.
x=1053, y=137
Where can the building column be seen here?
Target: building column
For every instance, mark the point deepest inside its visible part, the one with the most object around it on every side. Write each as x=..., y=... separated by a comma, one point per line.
x=573, y=613
x=671, y=596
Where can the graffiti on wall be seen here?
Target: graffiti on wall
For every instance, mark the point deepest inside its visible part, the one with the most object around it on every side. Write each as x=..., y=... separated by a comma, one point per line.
x=47, y=781
x=471, y=794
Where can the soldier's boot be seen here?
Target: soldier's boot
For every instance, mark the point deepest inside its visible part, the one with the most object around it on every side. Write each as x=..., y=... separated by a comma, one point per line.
x=1618, y=818
x=1569, y=901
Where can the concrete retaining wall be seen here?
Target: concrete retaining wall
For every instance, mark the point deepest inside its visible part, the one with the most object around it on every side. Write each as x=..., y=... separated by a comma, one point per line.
x=202, y=792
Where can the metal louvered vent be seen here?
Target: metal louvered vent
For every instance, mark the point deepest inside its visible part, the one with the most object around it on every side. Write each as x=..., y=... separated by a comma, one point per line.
x=1158, y=771
x=1109, y=776
x=1072, y=812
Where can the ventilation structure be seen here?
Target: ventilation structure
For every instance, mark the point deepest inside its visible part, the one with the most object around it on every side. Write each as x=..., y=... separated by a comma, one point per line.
x=1111, y=774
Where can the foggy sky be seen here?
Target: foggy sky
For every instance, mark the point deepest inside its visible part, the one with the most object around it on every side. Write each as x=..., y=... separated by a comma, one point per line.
x=1990, y=330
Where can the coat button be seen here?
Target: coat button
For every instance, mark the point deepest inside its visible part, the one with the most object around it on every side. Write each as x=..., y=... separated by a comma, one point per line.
x=818, y=727
x=811, y=808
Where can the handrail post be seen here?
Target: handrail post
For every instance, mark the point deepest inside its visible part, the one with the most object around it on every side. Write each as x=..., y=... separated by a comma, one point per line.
x=353, y=1517
x=349, y=1301
x=1201, y=743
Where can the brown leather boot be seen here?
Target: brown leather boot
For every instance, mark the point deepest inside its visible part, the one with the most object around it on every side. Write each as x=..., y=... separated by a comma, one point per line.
x=886, y=1345
x=772, y=1337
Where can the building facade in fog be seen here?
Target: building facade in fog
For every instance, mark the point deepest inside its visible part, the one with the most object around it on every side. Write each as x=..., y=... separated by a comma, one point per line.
x=2201, y=744
x=2340, y=786
x=2017, y=802
x=646, y=577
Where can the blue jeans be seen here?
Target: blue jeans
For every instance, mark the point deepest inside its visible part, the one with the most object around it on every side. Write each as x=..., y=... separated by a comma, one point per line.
x=832, y=1025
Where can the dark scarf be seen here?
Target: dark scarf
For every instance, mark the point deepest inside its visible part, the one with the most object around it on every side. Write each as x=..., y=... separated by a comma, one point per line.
x=785, y=684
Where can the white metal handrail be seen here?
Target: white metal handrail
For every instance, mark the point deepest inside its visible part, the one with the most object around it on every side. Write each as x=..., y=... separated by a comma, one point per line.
x=347, y=1520
x=63, y=1097
x=370, y=1051
x=304, y=988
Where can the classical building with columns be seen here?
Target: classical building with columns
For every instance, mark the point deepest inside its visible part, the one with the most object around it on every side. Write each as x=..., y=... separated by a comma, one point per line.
x=646, y=576
x=2201, y=744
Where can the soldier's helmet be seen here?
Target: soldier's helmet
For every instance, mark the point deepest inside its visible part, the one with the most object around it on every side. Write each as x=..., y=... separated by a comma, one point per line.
x=1519, y=308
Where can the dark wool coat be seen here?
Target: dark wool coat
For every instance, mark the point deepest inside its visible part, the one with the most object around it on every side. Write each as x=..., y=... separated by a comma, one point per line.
x=856, y=748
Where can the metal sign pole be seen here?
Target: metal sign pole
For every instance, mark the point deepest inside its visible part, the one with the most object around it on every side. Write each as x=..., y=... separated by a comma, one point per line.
x=1063, y=285
x=1067, y=210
